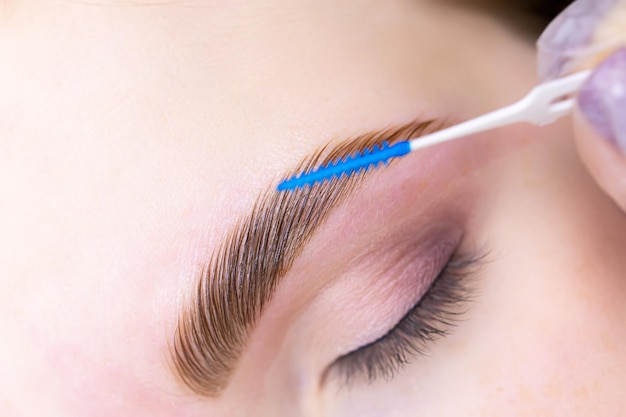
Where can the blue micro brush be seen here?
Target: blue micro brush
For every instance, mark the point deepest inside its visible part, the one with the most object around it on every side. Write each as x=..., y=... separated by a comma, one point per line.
x=544, y=105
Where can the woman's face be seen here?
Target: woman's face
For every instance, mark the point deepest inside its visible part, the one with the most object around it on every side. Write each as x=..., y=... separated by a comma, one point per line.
x=149, y=267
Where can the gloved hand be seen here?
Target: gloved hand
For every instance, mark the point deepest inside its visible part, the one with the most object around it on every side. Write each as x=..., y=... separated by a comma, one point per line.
x=592, y=34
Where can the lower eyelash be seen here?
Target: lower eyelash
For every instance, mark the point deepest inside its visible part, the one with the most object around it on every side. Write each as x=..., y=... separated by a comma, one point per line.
x=433, y=317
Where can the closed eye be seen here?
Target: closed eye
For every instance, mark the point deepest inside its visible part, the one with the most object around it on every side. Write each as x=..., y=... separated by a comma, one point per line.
x=433, y=317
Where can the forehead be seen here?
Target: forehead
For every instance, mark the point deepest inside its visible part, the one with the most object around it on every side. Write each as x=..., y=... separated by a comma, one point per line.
x=274, y=78
x=287, y=80
x=242, y=92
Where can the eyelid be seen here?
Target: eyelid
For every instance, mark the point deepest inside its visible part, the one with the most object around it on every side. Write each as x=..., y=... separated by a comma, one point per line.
x=432, y=317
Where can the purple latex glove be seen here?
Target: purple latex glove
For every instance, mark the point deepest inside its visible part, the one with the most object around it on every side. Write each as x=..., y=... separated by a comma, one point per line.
x=592, y=33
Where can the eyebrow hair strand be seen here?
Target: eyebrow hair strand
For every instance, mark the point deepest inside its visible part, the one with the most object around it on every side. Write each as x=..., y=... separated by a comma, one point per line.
x=241, y=276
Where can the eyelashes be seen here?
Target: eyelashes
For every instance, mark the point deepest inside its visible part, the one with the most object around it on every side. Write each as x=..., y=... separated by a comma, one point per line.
x=433, y=317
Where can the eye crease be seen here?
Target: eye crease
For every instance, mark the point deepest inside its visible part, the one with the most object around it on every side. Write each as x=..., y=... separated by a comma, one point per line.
x=433, y=317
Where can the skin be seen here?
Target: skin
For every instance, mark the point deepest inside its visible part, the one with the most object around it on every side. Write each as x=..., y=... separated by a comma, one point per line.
x=135, y=135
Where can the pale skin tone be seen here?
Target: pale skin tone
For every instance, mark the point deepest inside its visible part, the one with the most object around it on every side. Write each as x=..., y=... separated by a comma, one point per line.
x=134, y=137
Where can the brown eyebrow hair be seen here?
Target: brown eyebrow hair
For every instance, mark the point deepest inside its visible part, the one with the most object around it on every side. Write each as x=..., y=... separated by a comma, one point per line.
x=243, y=273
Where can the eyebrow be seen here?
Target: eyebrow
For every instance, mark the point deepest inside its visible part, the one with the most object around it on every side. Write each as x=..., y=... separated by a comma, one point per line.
x=243, y=273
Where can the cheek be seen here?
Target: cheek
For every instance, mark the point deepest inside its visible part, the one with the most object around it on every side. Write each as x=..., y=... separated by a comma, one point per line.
x=542, y=338
x=558, y=355
x=553, y=372
x=544, y=334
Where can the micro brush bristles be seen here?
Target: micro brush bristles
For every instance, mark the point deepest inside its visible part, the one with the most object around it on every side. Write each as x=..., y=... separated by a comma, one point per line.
x=363, y=161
